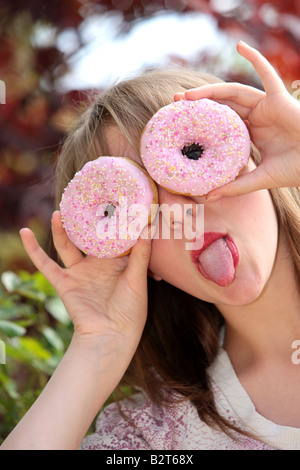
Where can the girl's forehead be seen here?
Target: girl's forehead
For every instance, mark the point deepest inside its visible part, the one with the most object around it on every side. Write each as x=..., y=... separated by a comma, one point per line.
x=118, y=146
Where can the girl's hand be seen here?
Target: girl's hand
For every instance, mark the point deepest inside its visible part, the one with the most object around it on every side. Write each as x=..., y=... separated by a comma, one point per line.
x=107, y=302
x=103, y=297
x=273, y=120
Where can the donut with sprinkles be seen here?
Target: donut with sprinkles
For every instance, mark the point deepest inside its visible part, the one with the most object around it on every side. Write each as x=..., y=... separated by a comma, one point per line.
x=106, y=205
x=193, y=147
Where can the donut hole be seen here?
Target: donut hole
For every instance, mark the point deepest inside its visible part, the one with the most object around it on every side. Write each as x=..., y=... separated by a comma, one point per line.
x=193, y=151
x=109, y=210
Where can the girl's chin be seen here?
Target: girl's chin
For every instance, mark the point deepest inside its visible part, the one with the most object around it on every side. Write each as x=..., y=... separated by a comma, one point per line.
x=242, y=291
x=245, y=288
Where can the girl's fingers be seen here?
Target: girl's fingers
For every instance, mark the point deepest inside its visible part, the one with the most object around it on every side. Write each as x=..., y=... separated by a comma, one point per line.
x=179, y=96
x=243, y=96
x=139, y=256
x=67, y=251
x=242, y=111
x=40, y=259
x=247, y=183
x=271, y=81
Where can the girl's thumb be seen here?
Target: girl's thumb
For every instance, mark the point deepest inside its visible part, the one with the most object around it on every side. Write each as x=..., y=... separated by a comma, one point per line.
x=140, y=254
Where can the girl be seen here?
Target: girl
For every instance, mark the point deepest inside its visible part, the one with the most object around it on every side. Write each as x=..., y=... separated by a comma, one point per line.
x=211, y=366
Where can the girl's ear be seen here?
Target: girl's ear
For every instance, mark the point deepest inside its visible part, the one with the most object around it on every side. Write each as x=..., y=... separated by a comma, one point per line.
x=154, y=276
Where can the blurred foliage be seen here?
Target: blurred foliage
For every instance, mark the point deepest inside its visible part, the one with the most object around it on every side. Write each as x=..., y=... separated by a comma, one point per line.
x=37, y=112
x=35, y=330
x=33, y=120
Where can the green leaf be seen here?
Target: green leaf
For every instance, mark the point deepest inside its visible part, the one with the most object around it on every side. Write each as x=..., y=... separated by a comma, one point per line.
x=10, y=280
x=35, y=348
x=10, y=311
x=39, y=282
x=43, y=285
x=26, y=290
x=9, y=386
x=53, y=338
x=11, y=329
x=15, y=350
x=57, y=309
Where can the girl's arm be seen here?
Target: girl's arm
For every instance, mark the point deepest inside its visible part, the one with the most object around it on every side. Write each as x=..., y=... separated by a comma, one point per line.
x=84, y=379
x=107, y=302
x=273, y=120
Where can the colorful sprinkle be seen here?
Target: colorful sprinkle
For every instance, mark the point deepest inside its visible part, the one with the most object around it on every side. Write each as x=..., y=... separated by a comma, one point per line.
x=216, y=127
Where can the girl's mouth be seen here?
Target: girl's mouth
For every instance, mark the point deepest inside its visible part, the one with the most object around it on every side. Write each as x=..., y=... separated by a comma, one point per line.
x=217, y=259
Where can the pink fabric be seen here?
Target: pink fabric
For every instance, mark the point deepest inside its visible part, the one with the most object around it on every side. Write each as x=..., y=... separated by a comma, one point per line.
x=152, y=427
x=156, y=428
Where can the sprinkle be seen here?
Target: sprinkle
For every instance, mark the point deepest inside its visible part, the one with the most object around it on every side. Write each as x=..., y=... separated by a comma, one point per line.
x=102, y=182
x=216, y=127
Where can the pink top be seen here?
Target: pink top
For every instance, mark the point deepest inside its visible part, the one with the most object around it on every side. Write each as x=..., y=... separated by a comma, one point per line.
x=179, y=427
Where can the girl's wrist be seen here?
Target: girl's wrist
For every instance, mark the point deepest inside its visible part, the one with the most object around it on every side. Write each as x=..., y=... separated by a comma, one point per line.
x=90, y=370
x=104, y=343
x=106, y=356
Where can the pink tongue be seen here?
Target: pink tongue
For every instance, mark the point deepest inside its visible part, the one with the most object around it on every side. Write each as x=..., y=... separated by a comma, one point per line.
x=216, y=263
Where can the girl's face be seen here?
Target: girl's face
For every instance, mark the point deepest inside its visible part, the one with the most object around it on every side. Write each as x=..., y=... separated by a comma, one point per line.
x=249, y=221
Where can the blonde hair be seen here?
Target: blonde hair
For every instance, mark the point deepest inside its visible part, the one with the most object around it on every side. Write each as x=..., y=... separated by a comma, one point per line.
x=129, y=105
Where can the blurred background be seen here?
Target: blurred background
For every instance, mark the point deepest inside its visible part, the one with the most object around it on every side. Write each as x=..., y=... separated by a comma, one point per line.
x=51, y=55
x=53, y=52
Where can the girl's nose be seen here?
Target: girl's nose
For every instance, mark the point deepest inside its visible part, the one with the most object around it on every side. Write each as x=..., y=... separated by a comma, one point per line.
x=182, y=216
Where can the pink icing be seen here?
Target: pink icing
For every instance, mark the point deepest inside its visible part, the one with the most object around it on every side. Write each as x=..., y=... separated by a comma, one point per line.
x=99, y=206
x=216, y=127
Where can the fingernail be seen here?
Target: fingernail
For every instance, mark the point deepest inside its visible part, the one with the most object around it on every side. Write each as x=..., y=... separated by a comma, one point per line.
x=179, y=96
x=244, y=43
x=213, y=197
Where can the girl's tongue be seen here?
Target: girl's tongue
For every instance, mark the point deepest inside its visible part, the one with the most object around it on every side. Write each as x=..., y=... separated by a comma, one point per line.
x=216, y=263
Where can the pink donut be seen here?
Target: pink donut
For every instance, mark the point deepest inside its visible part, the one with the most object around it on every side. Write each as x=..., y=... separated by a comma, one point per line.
x=192, y=147
x=106, y=205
